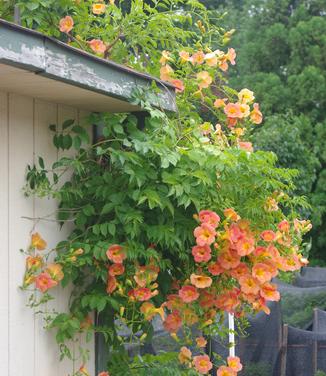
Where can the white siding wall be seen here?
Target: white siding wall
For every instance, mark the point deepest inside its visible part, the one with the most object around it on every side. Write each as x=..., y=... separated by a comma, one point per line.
x=25, y=348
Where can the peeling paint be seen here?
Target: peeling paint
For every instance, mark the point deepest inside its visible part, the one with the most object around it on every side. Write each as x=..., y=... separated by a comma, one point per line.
x=59, y=64
x=33, y=51
x=32, y=57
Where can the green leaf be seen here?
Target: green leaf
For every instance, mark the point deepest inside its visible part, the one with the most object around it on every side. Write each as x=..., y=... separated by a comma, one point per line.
x=114, y=303
x=104, y=229
x=81, y=132
x=101, y=304
x=112, y=228
x=41, y=162
x=152, y=197
x=67, y=123
x=56, y=141
x=55, y=178
x=126, y=142
x=118, y=129
x=66, y=142
x=107, y=132
x=107, y=208
x=32, y=6
x=89, y=210
x=77, y=142
x=81, y=220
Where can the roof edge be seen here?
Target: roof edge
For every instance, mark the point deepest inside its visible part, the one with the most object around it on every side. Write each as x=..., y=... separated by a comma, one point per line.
x=30, y=50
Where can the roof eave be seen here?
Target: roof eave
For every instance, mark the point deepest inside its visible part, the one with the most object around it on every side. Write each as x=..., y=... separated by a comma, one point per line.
x=33, y=51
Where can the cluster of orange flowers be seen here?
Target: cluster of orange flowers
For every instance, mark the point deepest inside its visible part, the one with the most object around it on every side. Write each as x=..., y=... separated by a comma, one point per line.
x=45, y=276
x=143, y=285
x=235, y=113
x=238, y=253
x=234, y=266
x=202, y=363
x=226, y=252
x=240, y=109
x=204, y=79
x=66, y=25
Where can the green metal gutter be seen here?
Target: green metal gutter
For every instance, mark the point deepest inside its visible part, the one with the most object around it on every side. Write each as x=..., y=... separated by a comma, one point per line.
x=33, y=51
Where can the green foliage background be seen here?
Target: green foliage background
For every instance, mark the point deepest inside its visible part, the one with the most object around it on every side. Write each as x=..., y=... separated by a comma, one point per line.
x=281, y=48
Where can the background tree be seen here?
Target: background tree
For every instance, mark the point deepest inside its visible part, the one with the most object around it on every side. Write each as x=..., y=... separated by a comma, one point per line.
x=281, y=56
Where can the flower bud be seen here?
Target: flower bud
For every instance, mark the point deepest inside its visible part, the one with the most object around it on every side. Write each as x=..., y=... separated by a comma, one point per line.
x=78, y=252
x=142, y=337
x=175, y=337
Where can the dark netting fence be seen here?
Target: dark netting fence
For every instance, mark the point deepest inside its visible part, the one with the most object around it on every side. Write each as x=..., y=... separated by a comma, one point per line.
x=311, y=277
x=291, y=341
x=305, y=352
x=298, y=303
x=263, y=343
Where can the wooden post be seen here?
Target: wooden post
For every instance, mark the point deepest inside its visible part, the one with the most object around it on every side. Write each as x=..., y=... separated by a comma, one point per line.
x=284, y=349
x=315, y=321
x=315, y=342
x=314, y=356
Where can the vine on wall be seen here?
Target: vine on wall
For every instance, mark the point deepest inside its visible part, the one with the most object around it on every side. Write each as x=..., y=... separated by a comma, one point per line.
x=181, y=219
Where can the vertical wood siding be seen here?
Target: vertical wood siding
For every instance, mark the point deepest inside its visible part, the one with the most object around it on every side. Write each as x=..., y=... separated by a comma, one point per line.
x=4, y=238
x=25, y=348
